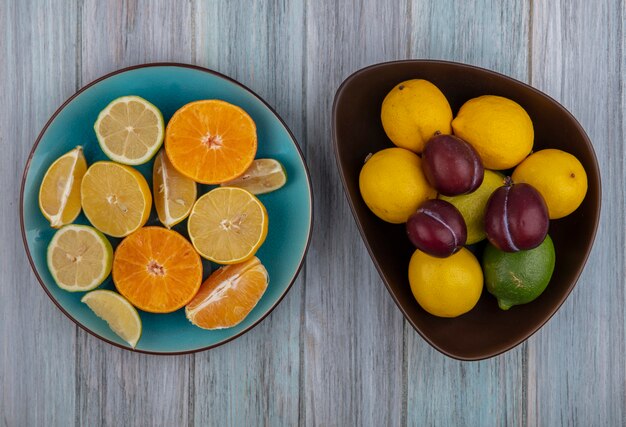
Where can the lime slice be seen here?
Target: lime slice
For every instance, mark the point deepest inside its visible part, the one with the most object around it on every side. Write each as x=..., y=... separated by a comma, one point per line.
x=121, y=316
x=174, y=193
x=263, y=176
x=130, y=130
x=59, y=194
x=79, y=258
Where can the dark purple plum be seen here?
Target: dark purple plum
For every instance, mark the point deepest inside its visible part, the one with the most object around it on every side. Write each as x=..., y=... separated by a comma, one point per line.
x=451, y=165
x=437, y=228
x=516, y=217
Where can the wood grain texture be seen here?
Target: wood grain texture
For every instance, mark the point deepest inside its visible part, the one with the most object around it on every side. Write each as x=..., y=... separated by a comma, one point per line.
x=37, y=349
x=116, y=387
x=353, y=359
x=336, y=351
x=442, y=391
x=255, y=379
x=576, y=362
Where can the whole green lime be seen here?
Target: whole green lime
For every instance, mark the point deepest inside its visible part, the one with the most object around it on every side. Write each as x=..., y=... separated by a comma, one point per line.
x=516, y=278
x=473, y=205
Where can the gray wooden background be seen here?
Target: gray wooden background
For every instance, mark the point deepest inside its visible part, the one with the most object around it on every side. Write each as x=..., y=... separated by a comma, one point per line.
x=336, y=351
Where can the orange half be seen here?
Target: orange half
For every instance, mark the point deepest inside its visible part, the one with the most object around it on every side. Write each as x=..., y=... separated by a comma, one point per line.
x=157, y=270
x=211, y=141
x=228, y=295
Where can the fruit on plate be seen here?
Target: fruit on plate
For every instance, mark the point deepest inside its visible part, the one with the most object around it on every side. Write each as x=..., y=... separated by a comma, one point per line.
x=437, y=228
x=263, y=176
x=446, y=287
x=115, y=198
x=393, y=185
x=499, y=129
x=157, y=270
x=228, y=295
x=79, y=258
x=59, y=194
x=520, y=277
x=120, y=315
x=451, y=165
x=174, y=193
x=558, y=176
x=130, y=130
x=516, y=217
x=228, y=225
x=211, y=141
x=472, y=206
x=413, y=111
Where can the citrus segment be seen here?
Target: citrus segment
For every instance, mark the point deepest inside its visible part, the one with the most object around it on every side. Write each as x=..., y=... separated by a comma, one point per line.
x=227, y=225
x=116, y=198
x=121, y=316
x=157, y=270
x=79, y=258
x=174, y=193
x=130, y=130
x=228, y=295
x=263, y=176
x=59, y=194
x=211, y=141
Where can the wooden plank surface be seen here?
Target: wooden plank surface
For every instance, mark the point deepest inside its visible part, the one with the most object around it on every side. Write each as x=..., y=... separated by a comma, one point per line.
x=353, y=358
x=37, y=342
x=336, y=351
x=576, y=362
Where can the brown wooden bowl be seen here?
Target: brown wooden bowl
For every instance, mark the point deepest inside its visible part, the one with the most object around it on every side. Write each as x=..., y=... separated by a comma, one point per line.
x=486, y=330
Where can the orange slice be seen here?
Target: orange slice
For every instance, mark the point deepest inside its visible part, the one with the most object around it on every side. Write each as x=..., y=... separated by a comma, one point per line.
x=157, y=270
x=228, y=295
x=227, y=225
x=211, y=141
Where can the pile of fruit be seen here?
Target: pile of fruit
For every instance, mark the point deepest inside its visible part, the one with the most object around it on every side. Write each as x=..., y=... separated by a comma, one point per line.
x=455, y=181
x=155, y=268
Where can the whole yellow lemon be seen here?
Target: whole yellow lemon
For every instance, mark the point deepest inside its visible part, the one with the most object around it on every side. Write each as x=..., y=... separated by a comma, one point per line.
x=498, y=128
x=446, y=287
x=393, y=184
x=558, y=176
x=413, y=112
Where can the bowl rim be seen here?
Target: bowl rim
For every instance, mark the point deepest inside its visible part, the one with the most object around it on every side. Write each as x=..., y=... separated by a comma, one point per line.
x=597, y=179
x=221, y=76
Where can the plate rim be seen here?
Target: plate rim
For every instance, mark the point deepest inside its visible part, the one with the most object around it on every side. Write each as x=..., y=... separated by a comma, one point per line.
x=204, y=70
x=587, y=140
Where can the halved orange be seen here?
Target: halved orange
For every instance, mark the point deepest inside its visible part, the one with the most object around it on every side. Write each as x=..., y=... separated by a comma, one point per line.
x=228, y=295
x=211, y=141
x=157, y=270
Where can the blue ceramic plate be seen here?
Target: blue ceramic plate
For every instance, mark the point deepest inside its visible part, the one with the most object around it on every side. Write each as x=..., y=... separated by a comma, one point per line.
x=169, y=87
